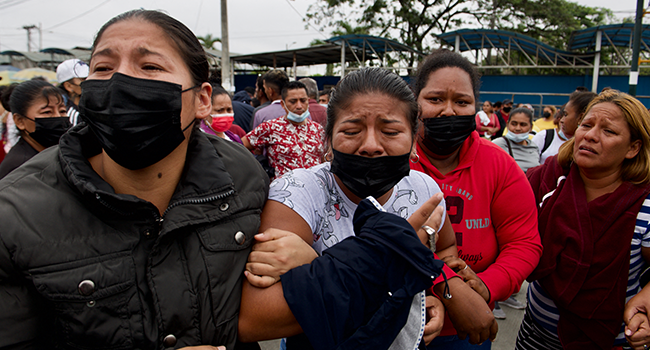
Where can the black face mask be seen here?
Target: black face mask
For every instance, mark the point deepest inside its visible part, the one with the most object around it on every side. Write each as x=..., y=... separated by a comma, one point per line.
x=49, y=130
x=507, y=109
x=369, y=176
x=137, y=121
x=546, y=115
x=444, y=135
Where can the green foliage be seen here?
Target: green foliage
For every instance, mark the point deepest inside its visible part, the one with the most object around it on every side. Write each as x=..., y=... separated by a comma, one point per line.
x=414, y=23
x=409, y=21
x=208, y=41
x=550, y=21
x=317, y=42
x=345, y=28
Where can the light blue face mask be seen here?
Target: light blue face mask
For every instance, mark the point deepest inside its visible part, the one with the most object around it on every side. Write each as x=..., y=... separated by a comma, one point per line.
x=297, y=118
x=562, y=135
x=516, y=138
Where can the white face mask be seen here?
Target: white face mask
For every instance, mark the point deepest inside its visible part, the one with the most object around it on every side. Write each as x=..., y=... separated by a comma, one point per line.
x=562, y=135
x=516, y=138
x=297, y=118
x=323, y=104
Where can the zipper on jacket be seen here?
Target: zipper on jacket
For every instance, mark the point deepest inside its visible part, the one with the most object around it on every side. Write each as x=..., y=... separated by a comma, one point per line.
x=157, y=217
x=197, y=201
x=110, y=206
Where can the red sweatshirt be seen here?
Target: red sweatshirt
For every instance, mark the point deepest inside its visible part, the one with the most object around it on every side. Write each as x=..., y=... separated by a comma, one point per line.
x=492, y=210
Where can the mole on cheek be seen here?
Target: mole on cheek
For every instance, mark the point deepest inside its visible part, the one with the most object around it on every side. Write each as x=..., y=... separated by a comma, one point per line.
x=159, y=175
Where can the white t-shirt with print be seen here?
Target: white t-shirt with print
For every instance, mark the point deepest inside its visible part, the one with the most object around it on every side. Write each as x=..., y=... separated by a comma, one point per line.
x=317, y=198
x=314, y=194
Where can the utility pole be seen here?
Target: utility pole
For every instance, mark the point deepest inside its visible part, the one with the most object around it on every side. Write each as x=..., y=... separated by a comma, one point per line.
x=636, y=44
x=40, y=36
x=226, y=78
x=493, y=19
x=29, y=36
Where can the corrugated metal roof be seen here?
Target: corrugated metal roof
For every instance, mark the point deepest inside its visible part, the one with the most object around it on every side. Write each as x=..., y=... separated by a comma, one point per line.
x=619, y=35
x=355, y=47
x=321, y=54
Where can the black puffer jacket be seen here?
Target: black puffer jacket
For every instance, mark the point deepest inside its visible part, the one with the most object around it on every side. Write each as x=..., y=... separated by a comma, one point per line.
x=84, y=268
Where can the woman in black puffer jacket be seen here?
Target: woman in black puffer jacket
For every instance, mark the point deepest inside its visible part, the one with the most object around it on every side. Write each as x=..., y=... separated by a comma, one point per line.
x=134, y=232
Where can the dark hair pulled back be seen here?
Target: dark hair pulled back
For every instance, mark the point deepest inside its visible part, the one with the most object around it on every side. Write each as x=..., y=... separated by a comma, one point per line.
x=187, y=44
x=444, y=58
x=580, y=100
x=18, y=98
x=370, y=81
x=525, y=111
x=219, y=90
x=5, y=94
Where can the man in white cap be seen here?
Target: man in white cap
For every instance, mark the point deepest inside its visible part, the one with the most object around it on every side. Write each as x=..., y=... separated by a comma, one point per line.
x=70, y=74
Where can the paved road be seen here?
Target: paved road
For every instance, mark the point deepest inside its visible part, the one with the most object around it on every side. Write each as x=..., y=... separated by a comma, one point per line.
x=509, y=327
x=506, y=337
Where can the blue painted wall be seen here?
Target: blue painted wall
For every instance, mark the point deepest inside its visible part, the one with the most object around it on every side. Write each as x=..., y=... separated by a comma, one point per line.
x=555, y=84
x=512, y=83
x=242, y=81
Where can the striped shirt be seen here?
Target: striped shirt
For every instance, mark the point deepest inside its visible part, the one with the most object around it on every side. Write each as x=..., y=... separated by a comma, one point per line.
x=73, y=114
x=543, y=309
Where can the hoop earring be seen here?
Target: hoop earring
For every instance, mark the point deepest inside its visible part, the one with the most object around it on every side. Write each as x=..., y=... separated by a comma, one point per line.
x=325, y=157
x=417, y=159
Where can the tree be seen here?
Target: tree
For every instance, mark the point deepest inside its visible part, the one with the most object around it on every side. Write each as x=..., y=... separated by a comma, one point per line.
x=550, y=21
x=343, y=28
x=414, y=22
x=208, y=41
x=409, y=21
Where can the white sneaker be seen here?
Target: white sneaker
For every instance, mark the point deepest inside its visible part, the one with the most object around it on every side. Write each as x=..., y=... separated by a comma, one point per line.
x=498, y=312
x=513, y=303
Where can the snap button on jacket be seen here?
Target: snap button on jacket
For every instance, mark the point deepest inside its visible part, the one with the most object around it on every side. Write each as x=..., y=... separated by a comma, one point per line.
x=76, y=270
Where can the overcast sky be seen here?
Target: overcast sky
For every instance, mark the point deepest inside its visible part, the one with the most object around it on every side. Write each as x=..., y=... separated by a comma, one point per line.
x=255, y=25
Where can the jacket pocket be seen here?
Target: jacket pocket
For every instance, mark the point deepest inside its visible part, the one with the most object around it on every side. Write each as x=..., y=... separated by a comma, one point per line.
x=234, y=233
x=225, y=249
x=89, y=299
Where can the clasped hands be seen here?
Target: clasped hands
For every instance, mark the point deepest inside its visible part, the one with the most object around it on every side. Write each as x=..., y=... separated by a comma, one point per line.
x=635, y=316
x=278, y=251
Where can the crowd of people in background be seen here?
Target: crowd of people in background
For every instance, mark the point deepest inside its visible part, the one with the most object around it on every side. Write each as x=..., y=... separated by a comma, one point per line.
x=145, y=206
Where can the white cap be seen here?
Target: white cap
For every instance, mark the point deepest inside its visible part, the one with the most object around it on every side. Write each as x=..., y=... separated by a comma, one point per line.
x=73, y=68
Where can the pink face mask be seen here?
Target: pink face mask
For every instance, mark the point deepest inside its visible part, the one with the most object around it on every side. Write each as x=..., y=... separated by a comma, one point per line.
x=222, y=122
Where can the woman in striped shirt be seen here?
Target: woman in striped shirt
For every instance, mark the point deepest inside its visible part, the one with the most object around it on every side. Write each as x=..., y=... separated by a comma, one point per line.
x=594, y=212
